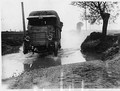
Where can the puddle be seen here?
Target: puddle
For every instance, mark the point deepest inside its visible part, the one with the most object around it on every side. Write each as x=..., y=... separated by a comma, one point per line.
x=71, y=42
x=12, y=64
x=73, y=58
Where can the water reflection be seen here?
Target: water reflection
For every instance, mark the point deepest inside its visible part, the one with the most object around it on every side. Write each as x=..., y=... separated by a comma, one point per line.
x=71, y=42
x=12, y=64
x=11, y=67
x=69, y=56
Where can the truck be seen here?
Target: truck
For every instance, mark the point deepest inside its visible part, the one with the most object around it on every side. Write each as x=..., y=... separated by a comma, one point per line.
x=43, y=32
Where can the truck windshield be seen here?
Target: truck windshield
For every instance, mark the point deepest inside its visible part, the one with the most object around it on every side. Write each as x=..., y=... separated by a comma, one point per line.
x=42, y=22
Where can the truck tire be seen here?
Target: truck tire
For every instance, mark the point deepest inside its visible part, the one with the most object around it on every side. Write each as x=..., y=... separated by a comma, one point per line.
x=59, y=46
x=25, y=50
x=55, y=49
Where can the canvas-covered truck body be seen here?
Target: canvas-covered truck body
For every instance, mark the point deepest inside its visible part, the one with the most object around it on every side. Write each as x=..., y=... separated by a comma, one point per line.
x=43, y=32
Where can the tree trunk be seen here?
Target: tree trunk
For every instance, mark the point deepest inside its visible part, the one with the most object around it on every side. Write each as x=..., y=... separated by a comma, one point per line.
x=105, y=17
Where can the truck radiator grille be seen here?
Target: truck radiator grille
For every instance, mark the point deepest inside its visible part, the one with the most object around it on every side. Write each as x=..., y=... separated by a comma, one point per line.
x=38, y=38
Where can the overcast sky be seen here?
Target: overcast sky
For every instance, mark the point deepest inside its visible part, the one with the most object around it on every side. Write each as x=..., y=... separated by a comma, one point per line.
x=11, y=16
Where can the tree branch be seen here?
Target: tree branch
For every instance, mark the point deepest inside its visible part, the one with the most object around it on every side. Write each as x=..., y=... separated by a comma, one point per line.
x=104, y=6
x=99, y=7
x=94, y=4
x=92, y=7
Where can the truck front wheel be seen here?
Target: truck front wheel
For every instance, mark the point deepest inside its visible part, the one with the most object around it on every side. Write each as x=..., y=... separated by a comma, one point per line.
x=25, y=50
x=55, y=49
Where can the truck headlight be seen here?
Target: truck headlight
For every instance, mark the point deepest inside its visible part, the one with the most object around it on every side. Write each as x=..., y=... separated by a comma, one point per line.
x=50, y=37
x=27, y=38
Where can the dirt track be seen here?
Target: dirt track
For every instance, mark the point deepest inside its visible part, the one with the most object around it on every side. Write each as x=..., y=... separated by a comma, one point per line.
x=90, y=74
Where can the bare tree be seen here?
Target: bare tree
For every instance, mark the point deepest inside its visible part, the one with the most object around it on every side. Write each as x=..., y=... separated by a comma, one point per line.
x=98, y=10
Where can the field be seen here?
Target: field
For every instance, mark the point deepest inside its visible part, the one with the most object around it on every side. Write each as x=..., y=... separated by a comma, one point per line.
x=11, y=41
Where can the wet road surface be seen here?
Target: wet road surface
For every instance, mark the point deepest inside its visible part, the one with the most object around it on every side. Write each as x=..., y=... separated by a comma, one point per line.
x=14, y=64
x=91, y=74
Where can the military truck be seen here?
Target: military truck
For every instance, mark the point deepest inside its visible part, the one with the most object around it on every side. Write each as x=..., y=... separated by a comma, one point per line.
x=43, y=32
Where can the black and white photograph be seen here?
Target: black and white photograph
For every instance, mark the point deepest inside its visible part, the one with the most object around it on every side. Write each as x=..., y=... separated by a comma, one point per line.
x=60, y=45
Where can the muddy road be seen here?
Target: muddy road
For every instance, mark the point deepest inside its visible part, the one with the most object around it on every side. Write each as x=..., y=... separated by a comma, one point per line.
x=14, y=64
x=67, y=70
